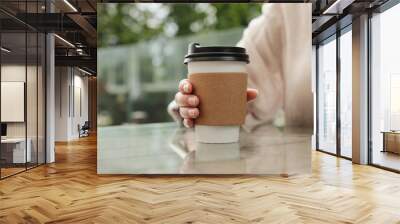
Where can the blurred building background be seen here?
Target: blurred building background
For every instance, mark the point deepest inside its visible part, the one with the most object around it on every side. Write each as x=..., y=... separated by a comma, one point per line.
x=141, y=50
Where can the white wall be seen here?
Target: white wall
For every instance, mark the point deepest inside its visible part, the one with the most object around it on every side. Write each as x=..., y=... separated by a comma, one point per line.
x=62, y=81
x=79, y=117
x=70, y=84
x=33, y=126
x=16, y=73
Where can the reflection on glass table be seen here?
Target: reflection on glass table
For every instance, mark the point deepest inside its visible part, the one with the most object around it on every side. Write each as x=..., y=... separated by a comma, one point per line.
x=164, y=148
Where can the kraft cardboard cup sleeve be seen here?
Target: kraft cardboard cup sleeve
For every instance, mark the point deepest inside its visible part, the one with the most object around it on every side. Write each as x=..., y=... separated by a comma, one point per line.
x=219, y=79
x=222, y=97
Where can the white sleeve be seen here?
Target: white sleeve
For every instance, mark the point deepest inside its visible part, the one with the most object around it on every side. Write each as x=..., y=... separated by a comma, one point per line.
x=263, y=40
x=279, y=45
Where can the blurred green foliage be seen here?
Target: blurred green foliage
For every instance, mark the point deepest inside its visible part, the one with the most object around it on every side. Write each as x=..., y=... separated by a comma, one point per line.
x=132, y=22
x=137, y=80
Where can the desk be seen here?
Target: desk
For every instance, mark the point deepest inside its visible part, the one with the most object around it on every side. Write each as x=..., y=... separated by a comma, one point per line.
x=16, y=147
x=391, y=141
x=165, y=148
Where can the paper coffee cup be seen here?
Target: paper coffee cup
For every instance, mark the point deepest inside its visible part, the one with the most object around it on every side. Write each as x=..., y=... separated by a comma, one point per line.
x=219, y=79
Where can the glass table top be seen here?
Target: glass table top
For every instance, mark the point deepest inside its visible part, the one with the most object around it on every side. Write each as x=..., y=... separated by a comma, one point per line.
x=165, y=148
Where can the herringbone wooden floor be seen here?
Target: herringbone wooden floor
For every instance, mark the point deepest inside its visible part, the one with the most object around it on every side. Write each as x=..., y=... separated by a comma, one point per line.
x=69, y=191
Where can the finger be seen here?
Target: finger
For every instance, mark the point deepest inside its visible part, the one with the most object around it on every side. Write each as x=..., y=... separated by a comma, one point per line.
x=184, y=100
x=187, y=112
x=251, y=94
x=185, y=86
x=188, y=123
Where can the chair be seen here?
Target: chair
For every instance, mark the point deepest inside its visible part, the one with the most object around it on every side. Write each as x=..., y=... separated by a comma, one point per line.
x=84, y=130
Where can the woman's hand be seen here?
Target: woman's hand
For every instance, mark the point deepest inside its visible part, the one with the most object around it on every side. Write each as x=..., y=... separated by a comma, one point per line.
x=188, y=103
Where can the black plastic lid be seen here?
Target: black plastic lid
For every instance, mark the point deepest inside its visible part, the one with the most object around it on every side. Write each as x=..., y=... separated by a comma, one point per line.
x=215, y=53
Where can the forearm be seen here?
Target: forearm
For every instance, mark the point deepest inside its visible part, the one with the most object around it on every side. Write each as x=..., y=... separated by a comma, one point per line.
x=263, y=42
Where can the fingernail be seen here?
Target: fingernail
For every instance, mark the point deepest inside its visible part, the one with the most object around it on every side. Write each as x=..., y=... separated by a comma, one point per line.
x=193, y=113
x=186, y=88
x=192, y=100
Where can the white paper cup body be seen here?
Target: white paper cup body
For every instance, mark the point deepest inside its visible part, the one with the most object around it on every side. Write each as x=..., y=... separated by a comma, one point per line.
x=210, y=133
x=217, y=152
